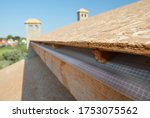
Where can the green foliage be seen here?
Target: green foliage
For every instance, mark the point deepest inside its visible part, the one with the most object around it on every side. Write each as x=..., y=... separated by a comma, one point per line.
x=9, y=37
x=21, y=47
x=16, y=38
x=13, y=56
x=10, y=55
x=4, y=49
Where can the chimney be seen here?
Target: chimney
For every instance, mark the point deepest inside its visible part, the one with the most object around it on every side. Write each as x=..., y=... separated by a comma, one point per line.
x=32, y=29
x=82, y=14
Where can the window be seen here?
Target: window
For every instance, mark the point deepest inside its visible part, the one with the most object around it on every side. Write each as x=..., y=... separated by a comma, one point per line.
x=30, y=27
x=36, y=26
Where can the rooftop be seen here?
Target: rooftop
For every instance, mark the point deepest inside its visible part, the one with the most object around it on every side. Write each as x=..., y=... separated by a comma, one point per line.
x=125, y=29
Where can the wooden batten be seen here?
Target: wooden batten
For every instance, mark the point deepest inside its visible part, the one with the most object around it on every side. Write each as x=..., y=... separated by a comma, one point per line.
x=55, y=46
x=102, y=56
x=80, y=84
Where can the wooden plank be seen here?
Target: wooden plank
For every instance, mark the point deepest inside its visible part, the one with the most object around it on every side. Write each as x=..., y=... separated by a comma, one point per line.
x=81, y=85
x=55, y=46
x=102, y=56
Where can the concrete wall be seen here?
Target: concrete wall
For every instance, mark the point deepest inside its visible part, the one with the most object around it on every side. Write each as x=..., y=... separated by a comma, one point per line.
x=30, y=79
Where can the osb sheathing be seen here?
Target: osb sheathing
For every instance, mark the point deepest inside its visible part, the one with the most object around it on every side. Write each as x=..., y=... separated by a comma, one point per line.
x=126, y=29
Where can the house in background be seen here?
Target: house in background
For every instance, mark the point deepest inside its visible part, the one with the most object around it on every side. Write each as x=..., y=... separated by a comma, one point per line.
x=12, y=42
x=3, y=42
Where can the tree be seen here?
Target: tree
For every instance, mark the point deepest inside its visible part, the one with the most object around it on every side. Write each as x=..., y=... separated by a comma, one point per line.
x=13, y=56
x=9, y=37
x=16, y=38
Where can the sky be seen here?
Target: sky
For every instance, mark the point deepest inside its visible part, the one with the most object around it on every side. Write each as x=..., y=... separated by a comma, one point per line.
x=53, y=14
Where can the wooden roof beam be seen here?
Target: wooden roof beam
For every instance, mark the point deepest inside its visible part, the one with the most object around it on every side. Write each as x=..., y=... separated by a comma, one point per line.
x=103, y=56
x=55, y=46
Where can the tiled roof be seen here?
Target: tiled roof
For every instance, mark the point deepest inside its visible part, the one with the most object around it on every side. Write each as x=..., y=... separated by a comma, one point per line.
x=125, y=29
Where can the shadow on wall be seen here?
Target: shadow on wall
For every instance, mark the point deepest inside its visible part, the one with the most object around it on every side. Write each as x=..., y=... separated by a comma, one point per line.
x=40, y=84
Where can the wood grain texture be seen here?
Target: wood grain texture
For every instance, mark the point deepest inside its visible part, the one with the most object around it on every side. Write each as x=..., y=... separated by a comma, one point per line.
x=81, y=85
x=103, y=56
x=126, y=29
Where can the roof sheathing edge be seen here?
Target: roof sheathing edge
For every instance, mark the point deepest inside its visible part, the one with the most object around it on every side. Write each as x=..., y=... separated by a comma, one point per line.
x=112, y=47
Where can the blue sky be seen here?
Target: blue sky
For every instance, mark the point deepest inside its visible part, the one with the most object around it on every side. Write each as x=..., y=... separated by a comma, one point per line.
x=53, y=13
